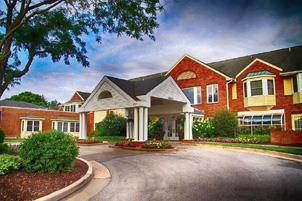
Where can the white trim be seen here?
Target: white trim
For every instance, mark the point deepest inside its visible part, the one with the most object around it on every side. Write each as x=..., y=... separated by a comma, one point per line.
x=27, y=108
x=260, y=60
x=96, y=89
x=68, y=120
x=212, y=90
x=268, y=112
x=258, y=76
x=79, y=95
x=201, y=63
x=32, y=118
x=291, y=72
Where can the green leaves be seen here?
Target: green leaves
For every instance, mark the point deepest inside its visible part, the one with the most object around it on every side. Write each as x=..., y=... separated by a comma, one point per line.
x=112, y=125
x=9, y=163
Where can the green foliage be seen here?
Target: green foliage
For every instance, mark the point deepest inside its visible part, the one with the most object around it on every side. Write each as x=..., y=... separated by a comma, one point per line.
x=4, y=148
x=253, y=138
x=112, y=125
x=51, y=151
x=33, y=98
x=9, y=163
x=258, y=130
x=154, y=144
x=108, y=138
x=203, y=129
x=2, y=135
x=225, y=123
x=156, y=130
x=57, y=29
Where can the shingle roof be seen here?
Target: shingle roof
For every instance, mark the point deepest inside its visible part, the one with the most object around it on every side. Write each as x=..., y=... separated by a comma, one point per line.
x=289, y=59
x=21, y=104
x=137, y=87
x=84, y=95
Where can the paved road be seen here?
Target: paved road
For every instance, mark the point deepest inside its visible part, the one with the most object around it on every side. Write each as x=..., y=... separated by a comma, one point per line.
x=195, y=173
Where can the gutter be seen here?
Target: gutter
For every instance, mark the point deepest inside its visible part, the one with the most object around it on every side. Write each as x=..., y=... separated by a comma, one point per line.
x=227, y=93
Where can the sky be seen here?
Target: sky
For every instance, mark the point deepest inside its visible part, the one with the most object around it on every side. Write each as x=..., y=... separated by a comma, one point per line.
x=207, y=30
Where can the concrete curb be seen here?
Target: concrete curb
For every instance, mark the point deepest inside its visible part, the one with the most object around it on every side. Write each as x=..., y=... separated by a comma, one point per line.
x=275, y=154
x=57, y=195
x=146, y=150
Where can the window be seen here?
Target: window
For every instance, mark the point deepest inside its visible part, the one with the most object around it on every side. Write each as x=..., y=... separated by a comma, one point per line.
x=65, y=127
x=72, y=127
x=32, y=126
x=256, y=88
x=193, y=94
x=270, y=87
x=0, y=115
x=297, y=122
x=105, y=94
x=77, y=127
x=212, y=93
x=186, y=75
x=60, y=126
x=67, y=108
x=297, y=83
x=245, y=89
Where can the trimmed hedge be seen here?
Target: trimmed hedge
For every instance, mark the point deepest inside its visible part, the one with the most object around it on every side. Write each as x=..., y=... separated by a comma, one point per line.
x=2, y=135
x=51, y=151
x=225, y=123
x=112, y=125
x=9, y=163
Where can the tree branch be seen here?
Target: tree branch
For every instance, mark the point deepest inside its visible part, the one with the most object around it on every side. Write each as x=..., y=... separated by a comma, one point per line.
x=26, y=68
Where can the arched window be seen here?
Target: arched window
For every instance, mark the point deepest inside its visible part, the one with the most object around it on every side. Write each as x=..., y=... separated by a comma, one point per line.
x=105, y=94
x=186, y=75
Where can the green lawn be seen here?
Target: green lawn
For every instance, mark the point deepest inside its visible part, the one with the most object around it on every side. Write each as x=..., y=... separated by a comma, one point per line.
x=284, y=149
x=13, y=140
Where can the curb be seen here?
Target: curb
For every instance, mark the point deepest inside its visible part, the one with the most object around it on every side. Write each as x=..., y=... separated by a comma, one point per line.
x=57, y=195
x=146, y=150
x=275, y=154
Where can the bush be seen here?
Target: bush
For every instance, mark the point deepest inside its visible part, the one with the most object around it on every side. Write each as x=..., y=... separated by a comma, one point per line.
x=203, y=129
x=51, y=151
x=112, y=125
x=225, y=123
x=6, y=149
x=156, y=130
x=254, y=138
x=153, y=144
x=9, y=163
x=1, y=136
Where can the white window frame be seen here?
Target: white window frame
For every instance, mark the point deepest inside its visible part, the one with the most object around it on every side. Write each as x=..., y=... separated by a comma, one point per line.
x=76, y=126
x=210, y=87
x=24, y=125
x=294, y=117
x=264, y=87
x=195, y=95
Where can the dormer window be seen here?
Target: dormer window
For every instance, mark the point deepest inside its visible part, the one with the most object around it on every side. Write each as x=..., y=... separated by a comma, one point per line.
x=259, y=84
x=105, y=95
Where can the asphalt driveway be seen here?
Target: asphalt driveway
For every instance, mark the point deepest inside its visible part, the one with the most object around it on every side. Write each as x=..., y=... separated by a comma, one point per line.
x=195, y=173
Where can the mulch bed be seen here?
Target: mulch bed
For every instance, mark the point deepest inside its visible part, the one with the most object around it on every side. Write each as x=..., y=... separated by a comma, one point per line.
x=23, y=185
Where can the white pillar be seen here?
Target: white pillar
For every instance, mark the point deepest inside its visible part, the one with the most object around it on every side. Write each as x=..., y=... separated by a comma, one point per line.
x=135, y=129
x=186, y=127
x=191, y=126
x=127, y=130
x=141, y=124
x=83, y=125
x=145, y=124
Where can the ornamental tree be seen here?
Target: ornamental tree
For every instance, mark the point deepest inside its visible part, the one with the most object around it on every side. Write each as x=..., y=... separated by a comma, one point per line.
x=55, y=29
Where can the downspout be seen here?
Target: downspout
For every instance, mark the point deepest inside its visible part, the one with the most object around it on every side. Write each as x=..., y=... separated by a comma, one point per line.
x=227, y=93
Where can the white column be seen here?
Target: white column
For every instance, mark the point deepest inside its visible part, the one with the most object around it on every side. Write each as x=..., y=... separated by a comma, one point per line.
x=135, y=129
x=141, y=124
x=145, y=124
x=191, y=126
x=127, y=130
x=83, y=125
x=186, y=127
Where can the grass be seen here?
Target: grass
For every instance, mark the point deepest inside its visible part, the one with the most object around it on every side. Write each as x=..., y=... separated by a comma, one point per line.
x=110, y=138
x=283, y=149
x=13, y=139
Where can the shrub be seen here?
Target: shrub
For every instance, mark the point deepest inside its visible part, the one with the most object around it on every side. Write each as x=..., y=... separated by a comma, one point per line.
x=156, y=130
x=1, y=136
x=153, y=144
x=225, y=123
x=51, y=151
x=203, y=129
x=254, y=138
x=112, y=125
x=9, y=163
x=6, y=149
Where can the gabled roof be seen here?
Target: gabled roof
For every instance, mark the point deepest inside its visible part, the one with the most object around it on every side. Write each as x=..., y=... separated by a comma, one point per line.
x=84, y=95
x=137, y=87
x=289, y=59
x=20, y=104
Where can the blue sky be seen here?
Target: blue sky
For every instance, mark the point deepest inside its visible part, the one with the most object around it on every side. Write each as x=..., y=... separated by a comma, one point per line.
x=208, y=30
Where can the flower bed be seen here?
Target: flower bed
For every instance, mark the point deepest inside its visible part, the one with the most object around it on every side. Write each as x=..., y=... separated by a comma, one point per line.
x=151, y=144
x=87, y=141
x=231, y=140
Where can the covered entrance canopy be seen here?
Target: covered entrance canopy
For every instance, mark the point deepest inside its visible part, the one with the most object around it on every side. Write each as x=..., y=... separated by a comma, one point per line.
x=160, y=97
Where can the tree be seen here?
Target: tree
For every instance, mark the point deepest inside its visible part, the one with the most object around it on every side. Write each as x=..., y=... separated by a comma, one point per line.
x=36, y=99
x=55, y=29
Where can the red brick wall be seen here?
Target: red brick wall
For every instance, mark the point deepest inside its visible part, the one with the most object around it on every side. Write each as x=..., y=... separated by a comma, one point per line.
x=286, y=137
x=282, y=102
x=90, y=123
x=11, y=122
x=205, y=76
